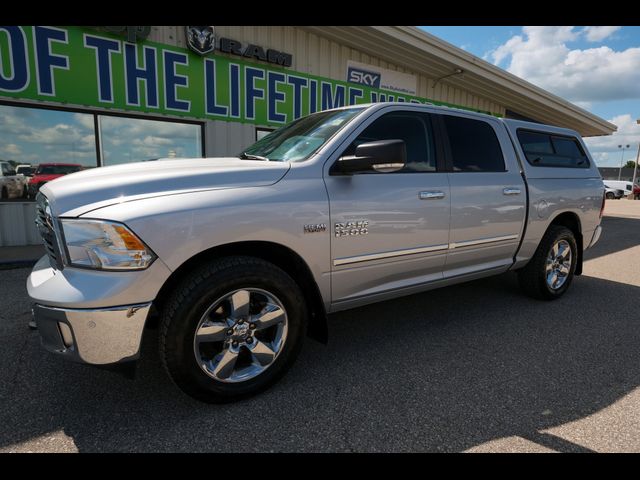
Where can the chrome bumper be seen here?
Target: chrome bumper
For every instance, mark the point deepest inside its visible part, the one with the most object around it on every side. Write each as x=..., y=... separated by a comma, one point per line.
x=596, y=236
x=95, y=336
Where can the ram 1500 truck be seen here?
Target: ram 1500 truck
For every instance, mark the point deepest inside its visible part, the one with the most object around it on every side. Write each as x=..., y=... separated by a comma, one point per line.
x=243, y=257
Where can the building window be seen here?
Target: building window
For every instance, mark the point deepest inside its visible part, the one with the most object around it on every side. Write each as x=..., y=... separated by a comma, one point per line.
x=263, y=132
x=31, y=136
x=125, y=140
x=40, y=140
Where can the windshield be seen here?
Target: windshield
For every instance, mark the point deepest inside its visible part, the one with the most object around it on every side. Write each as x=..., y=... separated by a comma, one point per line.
x=300, y=139
x=57, y=169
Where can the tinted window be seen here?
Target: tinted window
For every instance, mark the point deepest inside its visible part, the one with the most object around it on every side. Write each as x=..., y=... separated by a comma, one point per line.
x=413, y=128
x=535, y=142
x=546, y=150
x=474, y=145
x=57, y=169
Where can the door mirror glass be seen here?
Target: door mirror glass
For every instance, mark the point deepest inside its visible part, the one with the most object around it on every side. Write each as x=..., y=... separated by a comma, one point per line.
x=384, y=156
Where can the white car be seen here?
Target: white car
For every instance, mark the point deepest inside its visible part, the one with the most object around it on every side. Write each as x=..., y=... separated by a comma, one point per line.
x=24, y=173
x=11, y=185
x=613, y=193
x=623, y=185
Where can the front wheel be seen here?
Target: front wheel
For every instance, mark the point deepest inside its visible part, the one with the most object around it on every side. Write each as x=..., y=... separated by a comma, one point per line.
x=549, y=273
x=232, y=328
x=610, y=196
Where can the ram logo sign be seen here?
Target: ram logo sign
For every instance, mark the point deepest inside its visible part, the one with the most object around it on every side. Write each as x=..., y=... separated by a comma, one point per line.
x=363, y=77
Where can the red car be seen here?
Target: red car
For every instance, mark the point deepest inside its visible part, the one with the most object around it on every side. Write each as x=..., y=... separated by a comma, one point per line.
x=47, y=172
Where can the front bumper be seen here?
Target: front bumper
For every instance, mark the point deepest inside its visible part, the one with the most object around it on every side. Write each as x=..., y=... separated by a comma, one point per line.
x=92, y=316
x=96, y=336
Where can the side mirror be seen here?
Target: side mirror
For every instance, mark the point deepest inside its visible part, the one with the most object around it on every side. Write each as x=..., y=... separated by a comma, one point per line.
x=383, y=156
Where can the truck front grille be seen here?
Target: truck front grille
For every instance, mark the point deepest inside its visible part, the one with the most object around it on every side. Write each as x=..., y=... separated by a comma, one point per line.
x=44, y=222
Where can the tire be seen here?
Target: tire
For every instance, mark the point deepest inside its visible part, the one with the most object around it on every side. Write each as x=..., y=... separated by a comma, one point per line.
x=4, y=195
x=190, y=364
x=25, y=192
x=533, y=277
x=610, y=196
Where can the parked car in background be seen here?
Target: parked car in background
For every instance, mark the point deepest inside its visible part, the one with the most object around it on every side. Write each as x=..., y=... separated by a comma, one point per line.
x=11, y=185
x=26, y=170
x=613, y=193
x=625, y=186
x=47, y=172
x=24, y=173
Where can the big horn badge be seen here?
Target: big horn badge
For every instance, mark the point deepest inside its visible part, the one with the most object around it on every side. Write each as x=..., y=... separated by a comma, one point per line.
x=200, y=39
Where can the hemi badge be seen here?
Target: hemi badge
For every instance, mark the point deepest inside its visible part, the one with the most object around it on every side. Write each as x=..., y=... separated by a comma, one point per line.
x=315, y=228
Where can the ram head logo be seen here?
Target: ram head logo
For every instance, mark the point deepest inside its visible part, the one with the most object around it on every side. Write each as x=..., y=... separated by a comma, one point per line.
x=200, y=39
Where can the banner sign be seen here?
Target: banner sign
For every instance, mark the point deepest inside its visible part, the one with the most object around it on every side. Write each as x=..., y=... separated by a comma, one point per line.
x=89, y=68
x=379, y=77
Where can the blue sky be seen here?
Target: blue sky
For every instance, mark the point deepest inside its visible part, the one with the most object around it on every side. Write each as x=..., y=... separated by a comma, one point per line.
x=597, y=68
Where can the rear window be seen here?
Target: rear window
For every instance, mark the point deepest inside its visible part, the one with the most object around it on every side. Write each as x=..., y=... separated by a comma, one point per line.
x=546, y=150
x=474, y=145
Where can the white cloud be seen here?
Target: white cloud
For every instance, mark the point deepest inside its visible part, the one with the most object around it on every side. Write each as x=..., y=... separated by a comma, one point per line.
x=541, y=56
x=597, y=34
x=85, y=120
x=60, y=134
x=11, y=149
x=605, y=149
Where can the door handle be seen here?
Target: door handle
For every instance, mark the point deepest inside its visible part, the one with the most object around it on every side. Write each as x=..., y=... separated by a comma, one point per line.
x=511, y=191
x=430, y=195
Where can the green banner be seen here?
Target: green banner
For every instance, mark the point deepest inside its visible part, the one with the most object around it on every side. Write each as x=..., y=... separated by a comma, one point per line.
x=88, y=68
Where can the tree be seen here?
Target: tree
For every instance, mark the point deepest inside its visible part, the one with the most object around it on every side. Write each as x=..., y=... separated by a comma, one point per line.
x=629, y=164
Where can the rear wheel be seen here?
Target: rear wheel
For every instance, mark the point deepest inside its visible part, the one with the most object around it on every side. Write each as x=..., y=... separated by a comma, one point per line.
x=549, y=273
x=4, y=194
x=231, y=329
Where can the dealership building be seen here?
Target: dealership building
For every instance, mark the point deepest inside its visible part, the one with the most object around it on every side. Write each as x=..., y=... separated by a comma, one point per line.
x=100, y=96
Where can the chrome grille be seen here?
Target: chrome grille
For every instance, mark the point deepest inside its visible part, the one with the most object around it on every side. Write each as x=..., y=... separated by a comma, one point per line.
x=44, y=222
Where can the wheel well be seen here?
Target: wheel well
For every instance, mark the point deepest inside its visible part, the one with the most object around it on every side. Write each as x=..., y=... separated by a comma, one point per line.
x=572, y=222
x=279, y=255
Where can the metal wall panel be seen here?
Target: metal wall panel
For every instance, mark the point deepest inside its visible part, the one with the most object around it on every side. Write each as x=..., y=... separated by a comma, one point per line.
x=315, y=55
x=17, y=224
x=320, y=56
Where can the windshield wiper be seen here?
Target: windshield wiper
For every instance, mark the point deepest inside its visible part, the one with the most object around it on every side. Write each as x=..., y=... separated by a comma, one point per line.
x=248, y=156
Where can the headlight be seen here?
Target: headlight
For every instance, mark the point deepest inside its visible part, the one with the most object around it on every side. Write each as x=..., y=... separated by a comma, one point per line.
x=104, y=245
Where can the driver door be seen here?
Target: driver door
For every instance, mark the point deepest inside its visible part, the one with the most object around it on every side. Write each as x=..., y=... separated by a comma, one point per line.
x=390, y=231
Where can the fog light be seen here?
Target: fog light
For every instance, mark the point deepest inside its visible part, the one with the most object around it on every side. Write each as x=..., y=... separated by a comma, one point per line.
x=65, y=332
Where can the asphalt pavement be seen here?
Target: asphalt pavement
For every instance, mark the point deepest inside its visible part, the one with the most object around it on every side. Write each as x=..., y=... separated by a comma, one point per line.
x=473, y=367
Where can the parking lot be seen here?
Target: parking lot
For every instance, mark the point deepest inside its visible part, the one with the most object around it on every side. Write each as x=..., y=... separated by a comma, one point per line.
x=473, y=367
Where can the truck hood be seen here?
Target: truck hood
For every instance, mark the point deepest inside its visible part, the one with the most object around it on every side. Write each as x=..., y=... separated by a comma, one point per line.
x=78, y=193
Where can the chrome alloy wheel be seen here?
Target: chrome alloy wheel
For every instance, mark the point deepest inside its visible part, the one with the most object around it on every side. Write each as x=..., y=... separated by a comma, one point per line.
x=558, y=264
x=240, y=335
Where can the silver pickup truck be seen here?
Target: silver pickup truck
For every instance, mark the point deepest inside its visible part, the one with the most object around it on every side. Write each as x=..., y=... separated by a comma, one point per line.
x=238, y=259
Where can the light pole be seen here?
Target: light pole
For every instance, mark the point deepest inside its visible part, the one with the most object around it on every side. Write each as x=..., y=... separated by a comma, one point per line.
x=623, y=147
x=635, y=168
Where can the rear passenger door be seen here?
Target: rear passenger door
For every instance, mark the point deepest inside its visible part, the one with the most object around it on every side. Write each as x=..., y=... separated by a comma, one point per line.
x=488, y=196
